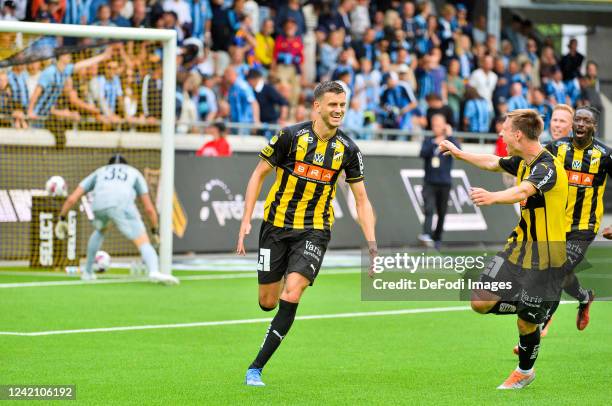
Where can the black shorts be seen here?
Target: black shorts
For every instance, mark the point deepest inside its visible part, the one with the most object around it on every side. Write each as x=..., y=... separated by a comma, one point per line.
x=533, y=291
x=577, y=244
x=285, y=250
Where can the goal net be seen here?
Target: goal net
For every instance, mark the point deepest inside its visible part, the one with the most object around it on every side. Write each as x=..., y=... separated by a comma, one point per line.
x=70, y=98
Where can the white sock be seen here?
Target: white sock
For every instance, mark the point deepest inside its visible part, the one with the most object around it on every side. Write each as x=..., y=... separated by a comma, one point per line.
x=522, y=371
x=149, y=257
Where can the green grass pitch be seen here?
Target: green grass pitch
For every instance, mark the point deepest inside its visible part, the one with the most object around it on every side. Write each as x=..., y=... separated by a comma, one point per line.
x=454, y=357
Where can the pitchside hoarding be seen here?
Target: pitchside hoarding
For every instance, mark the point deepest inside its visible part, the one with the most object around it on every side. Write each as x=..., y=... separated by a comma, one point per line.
x=45, y=249
x=209, y=200
x=211, y=191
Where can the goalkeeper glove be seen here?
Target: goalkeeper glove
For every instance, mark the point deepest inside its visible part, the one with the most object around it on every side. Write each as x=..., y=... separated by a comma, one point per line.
x=61, y=228
x=155, y=236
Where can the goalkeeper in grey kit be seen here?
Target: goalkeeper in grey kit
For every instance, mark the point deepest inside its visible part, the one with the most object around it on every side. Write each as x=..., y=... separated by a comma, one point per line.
x=115, y=187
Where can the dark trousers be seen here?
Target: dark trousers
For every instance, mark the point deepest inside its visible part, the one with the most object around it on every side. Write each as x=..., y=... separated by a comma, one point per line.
x=435, y=199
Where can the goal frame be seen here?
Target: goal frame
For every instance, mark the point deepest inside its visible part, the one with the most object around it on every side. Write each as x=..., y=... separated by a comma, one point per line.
x=168, y=39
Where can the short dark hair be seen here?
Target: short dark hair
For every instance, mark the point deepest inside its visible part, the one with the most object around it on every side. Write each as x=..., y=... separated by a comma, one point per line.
x=254, y=74
x=526, y=121
x=117, y=159
x=590, y=109
x=220, y=125
x=327, y=87
x=433, y=96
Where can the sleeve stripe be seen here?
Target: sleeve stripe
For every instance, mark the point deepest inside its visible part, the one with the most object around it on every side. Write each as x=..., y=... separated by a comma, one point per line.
x=266, y=159
x=353, y=180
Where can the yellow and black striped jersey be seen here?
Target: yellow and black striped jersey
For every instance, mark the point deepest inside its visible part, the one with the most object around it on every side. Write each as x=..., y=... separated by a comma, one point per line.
x=538, y=241
x=307, y=169
x=587, y=171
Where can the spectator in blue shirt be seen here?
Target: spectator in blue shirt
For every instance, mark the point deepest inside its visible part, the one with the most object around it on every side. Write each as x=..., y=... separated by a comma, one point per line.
x=517, y=101
x=115, y=7
x=476, y=114
x=241, y=98
x=291, y=10
x=17, y=80
x=540, y=104
x=51, y=84
x=397, y=104
x=75, y=12
x=109, y=92
x=276, y=106
x=90, y=9
x=556, y=89
x=354, y=120
x=200, y=17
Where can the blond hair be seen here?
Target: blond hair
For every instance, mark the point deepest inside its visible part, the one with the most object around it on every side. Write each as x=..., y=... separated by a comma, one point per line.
x=564, y=107
x=527, y=121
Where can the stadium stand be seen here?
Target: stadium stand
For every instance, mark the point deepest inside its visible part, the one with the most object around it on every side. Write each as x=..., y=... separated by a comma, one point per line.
x=392, y=56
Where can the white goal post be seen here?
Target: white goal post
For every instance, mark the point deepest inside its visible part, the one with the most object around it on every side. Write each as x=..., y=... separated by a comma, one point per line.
x=168, y=39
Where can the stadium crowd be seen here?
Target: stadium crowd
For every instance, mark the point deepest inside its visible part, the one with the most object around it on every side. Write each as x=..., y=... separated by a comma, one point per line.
x=254, y=62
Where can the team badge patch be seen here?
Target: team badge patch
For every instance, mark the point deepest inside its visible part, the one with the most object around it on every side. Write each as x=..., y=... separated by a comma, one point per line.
x=318, y=158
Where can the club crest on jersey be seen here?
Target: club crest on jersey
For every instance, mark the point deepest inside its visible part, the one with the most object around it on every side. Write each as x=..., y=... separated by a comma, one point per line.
x=318, y=158
x=576, y=165
x=338, y=156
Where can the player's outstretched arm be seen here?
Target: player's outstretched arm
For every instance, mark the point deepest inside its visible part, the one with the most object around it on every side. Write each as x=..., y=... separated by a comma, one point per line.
x=365, y=215
x=515, y=194
x=61, y=228
x=152, y=215
x=71, y=200
x=487, y=162
x=250, y=198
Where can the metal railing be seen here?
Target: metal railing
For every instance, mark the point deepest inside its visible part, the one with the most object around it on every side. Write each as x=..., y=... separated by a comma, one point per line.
x=383, y=134
x=249, y=129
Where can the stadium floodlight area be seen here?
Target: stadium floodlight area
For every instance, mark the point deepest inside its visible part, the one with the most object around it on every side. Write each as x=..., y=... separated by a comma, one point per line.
x=69, y=97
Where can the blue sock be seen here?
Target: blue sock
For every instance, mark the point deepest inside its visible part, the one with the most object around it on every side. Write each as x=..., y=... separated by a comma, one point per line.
x=93, y=246
x=149, y=256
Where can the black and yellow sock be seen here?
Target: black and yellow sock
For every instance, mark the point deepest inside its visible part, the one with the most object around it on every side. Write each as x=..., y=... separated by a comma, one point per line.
x=278, y=329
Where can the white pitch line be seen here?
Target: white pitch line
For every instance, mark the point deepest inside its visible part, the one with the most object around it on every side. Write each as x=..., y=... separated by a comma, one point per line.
x=236, y=322
x=249, y=321
x=144, y=279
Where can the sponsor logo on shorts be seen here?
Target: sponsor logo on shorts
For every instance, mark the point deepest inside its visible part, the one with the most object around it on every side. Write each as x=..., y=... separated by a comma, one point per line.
x=313, y=251
x=531, y=301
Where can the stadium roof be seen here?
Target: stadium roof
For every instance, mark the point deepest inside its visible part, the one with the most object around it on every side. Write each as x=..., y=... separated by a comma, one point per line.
x=580, y=12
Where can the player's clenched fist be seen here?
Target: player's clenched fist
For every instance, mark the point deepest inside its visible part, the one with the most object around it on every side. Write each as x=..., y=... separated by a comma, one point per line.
x=607, y=233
